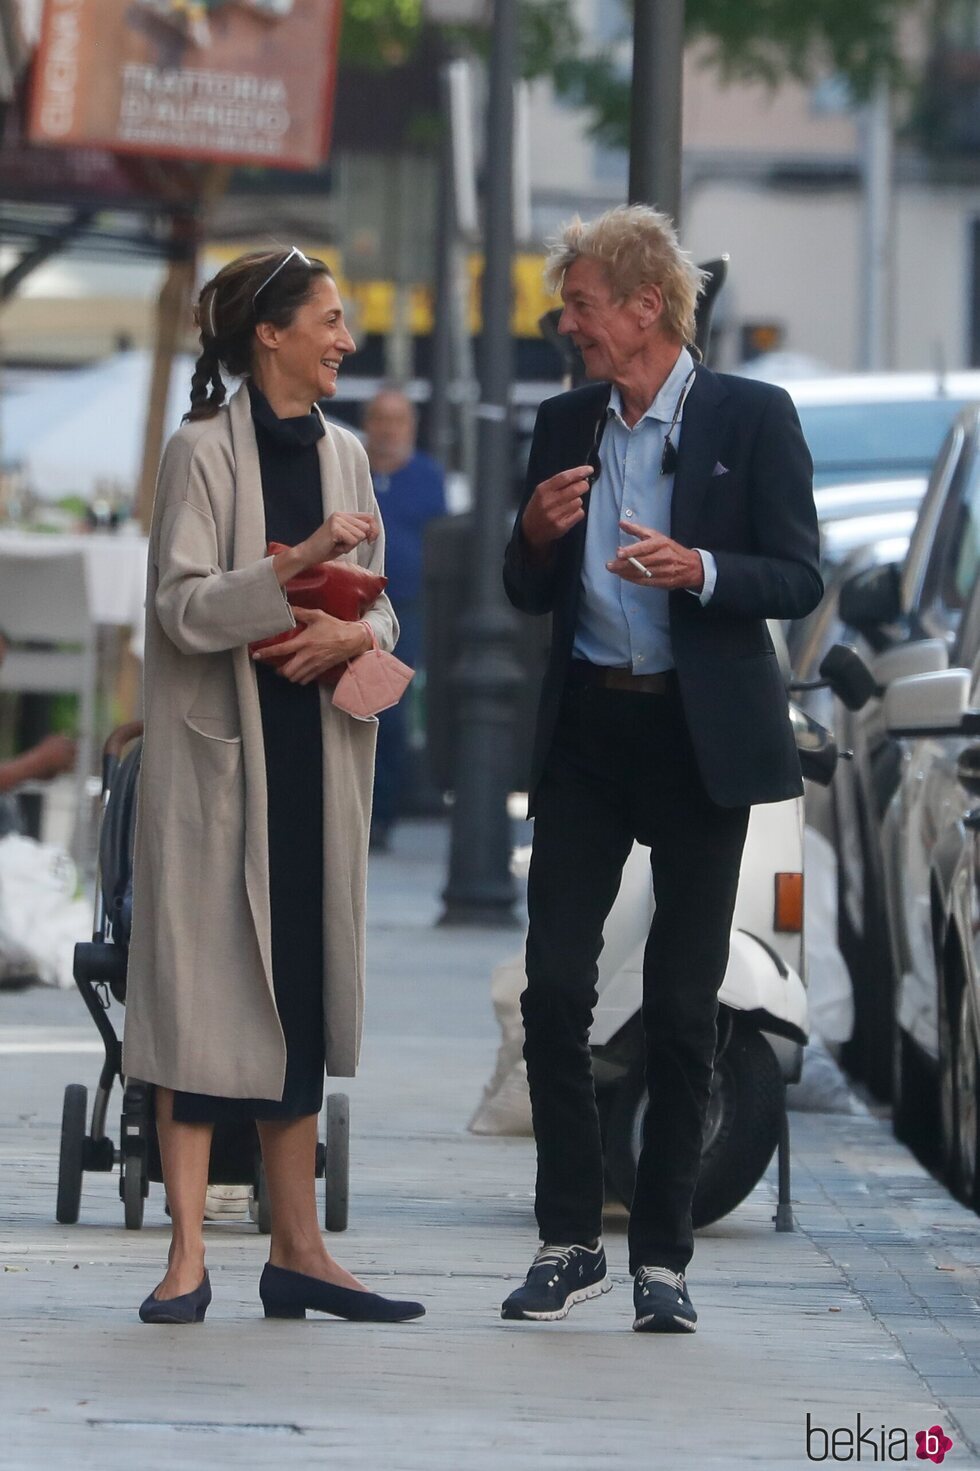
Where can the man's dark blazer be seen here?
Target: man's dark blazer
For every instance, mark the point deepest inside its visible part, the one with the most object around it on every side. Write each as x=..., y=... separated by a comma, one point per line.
x=743, y=490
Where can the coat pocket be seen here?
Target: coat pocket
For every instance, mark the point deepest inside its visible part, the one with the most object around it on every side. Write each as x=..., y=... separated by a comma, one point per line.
x=215, y=728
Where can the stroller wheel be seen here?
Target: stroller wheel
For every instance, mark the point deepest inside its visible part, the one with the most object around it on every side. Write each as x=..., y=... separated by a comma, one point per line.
x=71, y=1162
x=134, y=1191
x=259, y=1209
x=336, y=1171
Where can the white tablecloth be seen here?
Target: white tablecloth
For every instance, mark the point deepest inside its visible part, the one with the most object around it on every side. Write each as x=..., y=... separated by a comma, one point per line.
x=115, y=568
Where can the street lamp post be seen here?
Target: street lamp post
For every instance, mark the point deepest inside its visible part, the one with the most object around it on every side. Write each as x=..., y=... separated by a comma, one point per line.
x=655, y=106
x=480, y=888
x=441, y=439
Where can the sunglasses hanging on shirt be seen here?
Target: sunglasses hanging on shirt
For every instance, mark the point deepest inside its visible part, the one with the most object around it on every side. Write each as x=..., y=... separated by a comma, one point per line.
x=668, y=460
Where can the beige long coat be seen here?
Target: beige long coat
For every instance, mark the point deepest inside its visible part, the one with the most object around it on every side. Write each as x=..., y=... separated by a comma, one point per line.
x=200, y=1010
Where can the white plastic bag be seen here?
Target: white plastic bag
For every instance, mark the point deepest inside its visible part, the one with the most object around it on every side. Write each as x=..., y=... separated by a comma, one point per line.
x=505, y=1107
x=40, y=918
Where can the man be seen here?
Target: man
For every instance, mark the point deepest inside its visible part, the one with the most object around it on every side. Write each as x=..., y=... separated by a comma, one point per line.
x=410, y=490
x=51, y=757
x=663, y=717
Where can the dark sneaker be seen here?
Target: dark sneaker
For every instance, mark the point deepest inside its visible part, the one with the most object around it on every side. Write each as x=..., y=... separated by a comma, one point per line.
x=661, y=1302
x=560, y=1276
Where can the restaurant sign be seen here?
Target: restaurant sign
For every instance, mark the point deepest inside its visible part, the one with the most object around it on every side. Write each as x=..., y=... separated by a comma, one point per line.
x=235, y=81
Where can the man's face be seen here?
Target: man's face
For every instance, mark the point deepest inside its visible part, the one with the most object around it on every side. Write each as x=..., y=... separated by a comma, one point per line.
x=608, y=333
x=390, y=425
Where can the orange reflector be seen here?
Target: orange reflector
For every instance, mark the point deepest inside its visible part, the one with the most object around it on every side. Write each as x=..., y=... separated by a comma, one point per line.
x=789, y=903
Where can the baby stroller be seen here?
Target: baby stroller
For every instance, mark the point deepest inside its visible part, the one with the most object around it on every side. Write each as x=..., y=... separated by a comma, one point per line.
x=100, y=974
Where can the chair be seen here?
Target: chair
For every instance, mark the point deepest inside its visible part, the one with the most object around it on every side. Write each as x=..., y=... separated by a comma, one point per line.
x=52, y=649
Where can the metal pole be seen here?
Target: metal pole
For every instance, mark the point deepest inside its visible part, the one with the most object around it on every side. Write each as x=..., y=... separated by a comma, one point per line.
x=440, y=437
x=480, y=888
x=655, y=107
x=876, y=172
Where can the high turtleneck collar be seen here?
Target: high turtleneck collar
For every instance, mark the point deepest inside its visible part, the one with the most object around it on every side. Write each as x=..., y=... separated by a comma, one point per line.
x=303, y=430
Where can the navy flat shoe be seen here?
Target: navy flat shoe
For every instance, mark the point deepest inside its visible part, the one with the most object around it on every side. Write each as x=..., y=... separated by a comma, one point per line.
x=190, y=1308
x=287, y=1294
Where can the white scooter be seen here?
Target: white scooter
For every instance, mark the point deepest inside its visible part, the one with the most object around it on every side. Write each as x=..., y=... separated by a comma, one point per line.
x=763, y=1020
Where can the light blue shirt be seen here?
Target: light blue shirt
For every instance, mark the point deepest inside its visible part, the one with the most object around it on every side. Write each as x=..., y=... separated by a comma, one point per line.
x=622, y=623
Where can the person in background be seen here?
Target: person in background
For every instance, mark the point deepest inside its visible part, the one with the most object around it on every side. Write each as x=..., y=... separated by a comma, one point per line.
x=410, y=489
x=51, y=757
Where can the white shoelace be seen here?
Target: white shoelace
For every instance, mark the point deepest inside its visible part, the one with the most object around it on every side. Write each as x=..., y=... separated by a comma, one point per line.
x=663, y=1275
x=553, y=1256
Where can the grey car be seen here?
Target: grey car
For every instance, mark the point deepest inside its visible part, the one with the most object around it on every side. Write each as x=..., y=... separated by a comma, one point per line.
x=906, y=618
x=932, y=887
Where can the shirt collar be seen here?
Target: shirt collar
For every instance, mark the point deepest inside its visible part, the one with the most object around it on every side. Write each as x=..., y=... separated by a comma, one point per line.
x=666, y=401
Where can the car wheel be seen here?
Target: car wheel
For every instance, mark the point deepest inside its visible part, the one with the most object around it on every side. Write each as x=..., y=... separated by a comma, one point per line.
x=967, y=1073
x=869, y=1053
x=915, y=1099
x=948, y=1026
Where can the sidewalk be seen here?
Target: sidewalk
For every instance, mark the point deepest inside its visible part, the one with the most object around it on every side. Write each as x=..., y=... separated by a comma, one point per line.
x=869, y=1308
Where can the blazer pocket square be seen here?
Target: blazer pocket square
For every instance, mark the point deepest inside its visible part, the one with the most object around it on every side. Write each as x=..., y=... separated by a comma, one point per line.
x=719, y=469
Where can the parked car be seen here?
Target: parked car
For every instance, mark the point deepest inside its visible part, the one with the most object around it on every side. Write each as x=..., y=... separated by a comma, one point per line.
x=906, y=617
x=810, y=639
x=878, y=426
x=932, y=885
x=857, y=500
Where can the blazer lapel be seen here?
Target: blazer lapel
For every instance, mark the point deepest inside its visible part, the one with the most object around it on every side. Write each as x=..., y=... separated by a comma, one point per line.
x=697, y=453
x=586, y=435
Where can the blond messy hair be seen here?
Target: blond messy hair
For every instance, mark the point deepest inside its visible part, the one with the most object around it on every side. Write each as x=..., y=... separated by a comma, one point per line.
x=636, y=246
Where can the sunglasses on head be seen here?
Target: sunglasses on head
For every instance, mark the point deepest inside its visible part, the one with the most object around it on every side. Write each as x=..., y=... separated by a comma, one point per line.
x=296, y=253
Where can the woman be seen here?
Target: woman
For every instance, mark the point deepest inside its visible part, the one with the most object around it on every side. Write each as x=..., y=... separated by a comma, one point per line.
x=246, y=962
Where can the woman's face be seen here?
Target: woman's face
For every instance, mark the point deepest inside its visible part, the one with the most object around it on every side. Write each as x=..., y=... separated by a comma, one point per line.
x=310, y=350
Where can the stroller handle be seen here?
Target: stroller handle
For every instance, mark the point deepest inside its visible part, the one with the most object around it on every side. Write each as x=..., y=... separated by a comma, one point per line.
x=121, y=737
x=116, y=743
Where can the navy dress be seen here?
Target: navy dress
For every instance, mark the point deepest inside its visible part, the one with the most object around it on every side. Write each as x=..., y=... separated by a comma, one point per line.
x=290, y=466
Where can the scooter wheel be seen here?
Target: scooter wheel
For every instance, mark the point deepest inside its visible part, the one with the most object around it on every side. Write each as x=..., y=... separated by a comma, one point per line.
x=745, y=1114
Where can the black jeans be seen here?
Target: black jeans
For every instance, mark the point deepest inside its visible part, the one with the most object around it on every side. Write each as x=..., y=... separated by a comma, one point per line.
x=622, y=769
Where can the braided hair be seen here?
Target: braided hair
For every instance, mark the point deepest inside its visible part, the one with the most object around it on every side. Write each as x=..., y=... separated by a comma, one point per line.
x=227, y=314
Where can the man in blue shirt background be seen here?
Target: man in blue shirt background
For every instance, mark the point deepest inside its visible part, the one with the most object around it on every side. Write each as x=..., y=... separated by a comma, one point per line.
x=410, y=488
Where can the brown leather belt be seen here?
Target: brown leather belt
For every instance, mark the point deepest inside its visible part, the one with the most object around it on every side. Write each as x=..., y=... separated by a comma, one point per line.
x=580, y=671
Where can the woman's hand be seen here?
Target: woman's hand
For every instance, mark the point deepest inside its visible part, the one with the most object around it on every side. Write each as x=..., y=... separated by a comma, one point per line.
x=322, y=643
x=340, y=533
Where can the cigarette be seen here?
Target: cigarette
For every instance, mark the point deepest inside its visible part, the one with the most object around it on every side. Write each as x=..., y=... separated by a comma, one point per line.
x=639, y=566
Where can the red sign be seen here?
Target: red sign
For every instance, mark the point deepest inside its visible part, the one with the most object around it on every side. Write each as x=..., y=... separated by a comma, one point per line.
x=235, y=81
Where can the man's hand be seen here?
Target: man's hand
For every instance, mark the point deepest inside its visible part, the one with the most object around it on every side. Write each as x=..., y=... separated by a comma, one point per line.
x=51, y=757
x=322, y=643
x=669, y=564
x=555, y=507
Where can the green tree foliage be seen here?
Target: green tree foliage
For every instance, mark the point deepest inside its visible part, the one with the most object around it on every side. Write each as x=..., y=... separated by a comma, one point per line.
x=384, y=33
x=764, y=41
x=757, y=40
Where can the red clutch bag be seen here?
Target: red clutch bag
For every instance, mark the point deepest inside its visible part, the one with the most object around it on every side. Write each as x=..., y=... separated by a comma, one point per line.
x=340, y=588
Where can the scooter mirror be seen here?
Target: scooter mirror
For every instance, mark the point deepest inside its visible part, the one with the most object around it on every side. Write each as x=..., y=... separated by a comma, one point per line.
x=816, y=746
x=848, y=676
